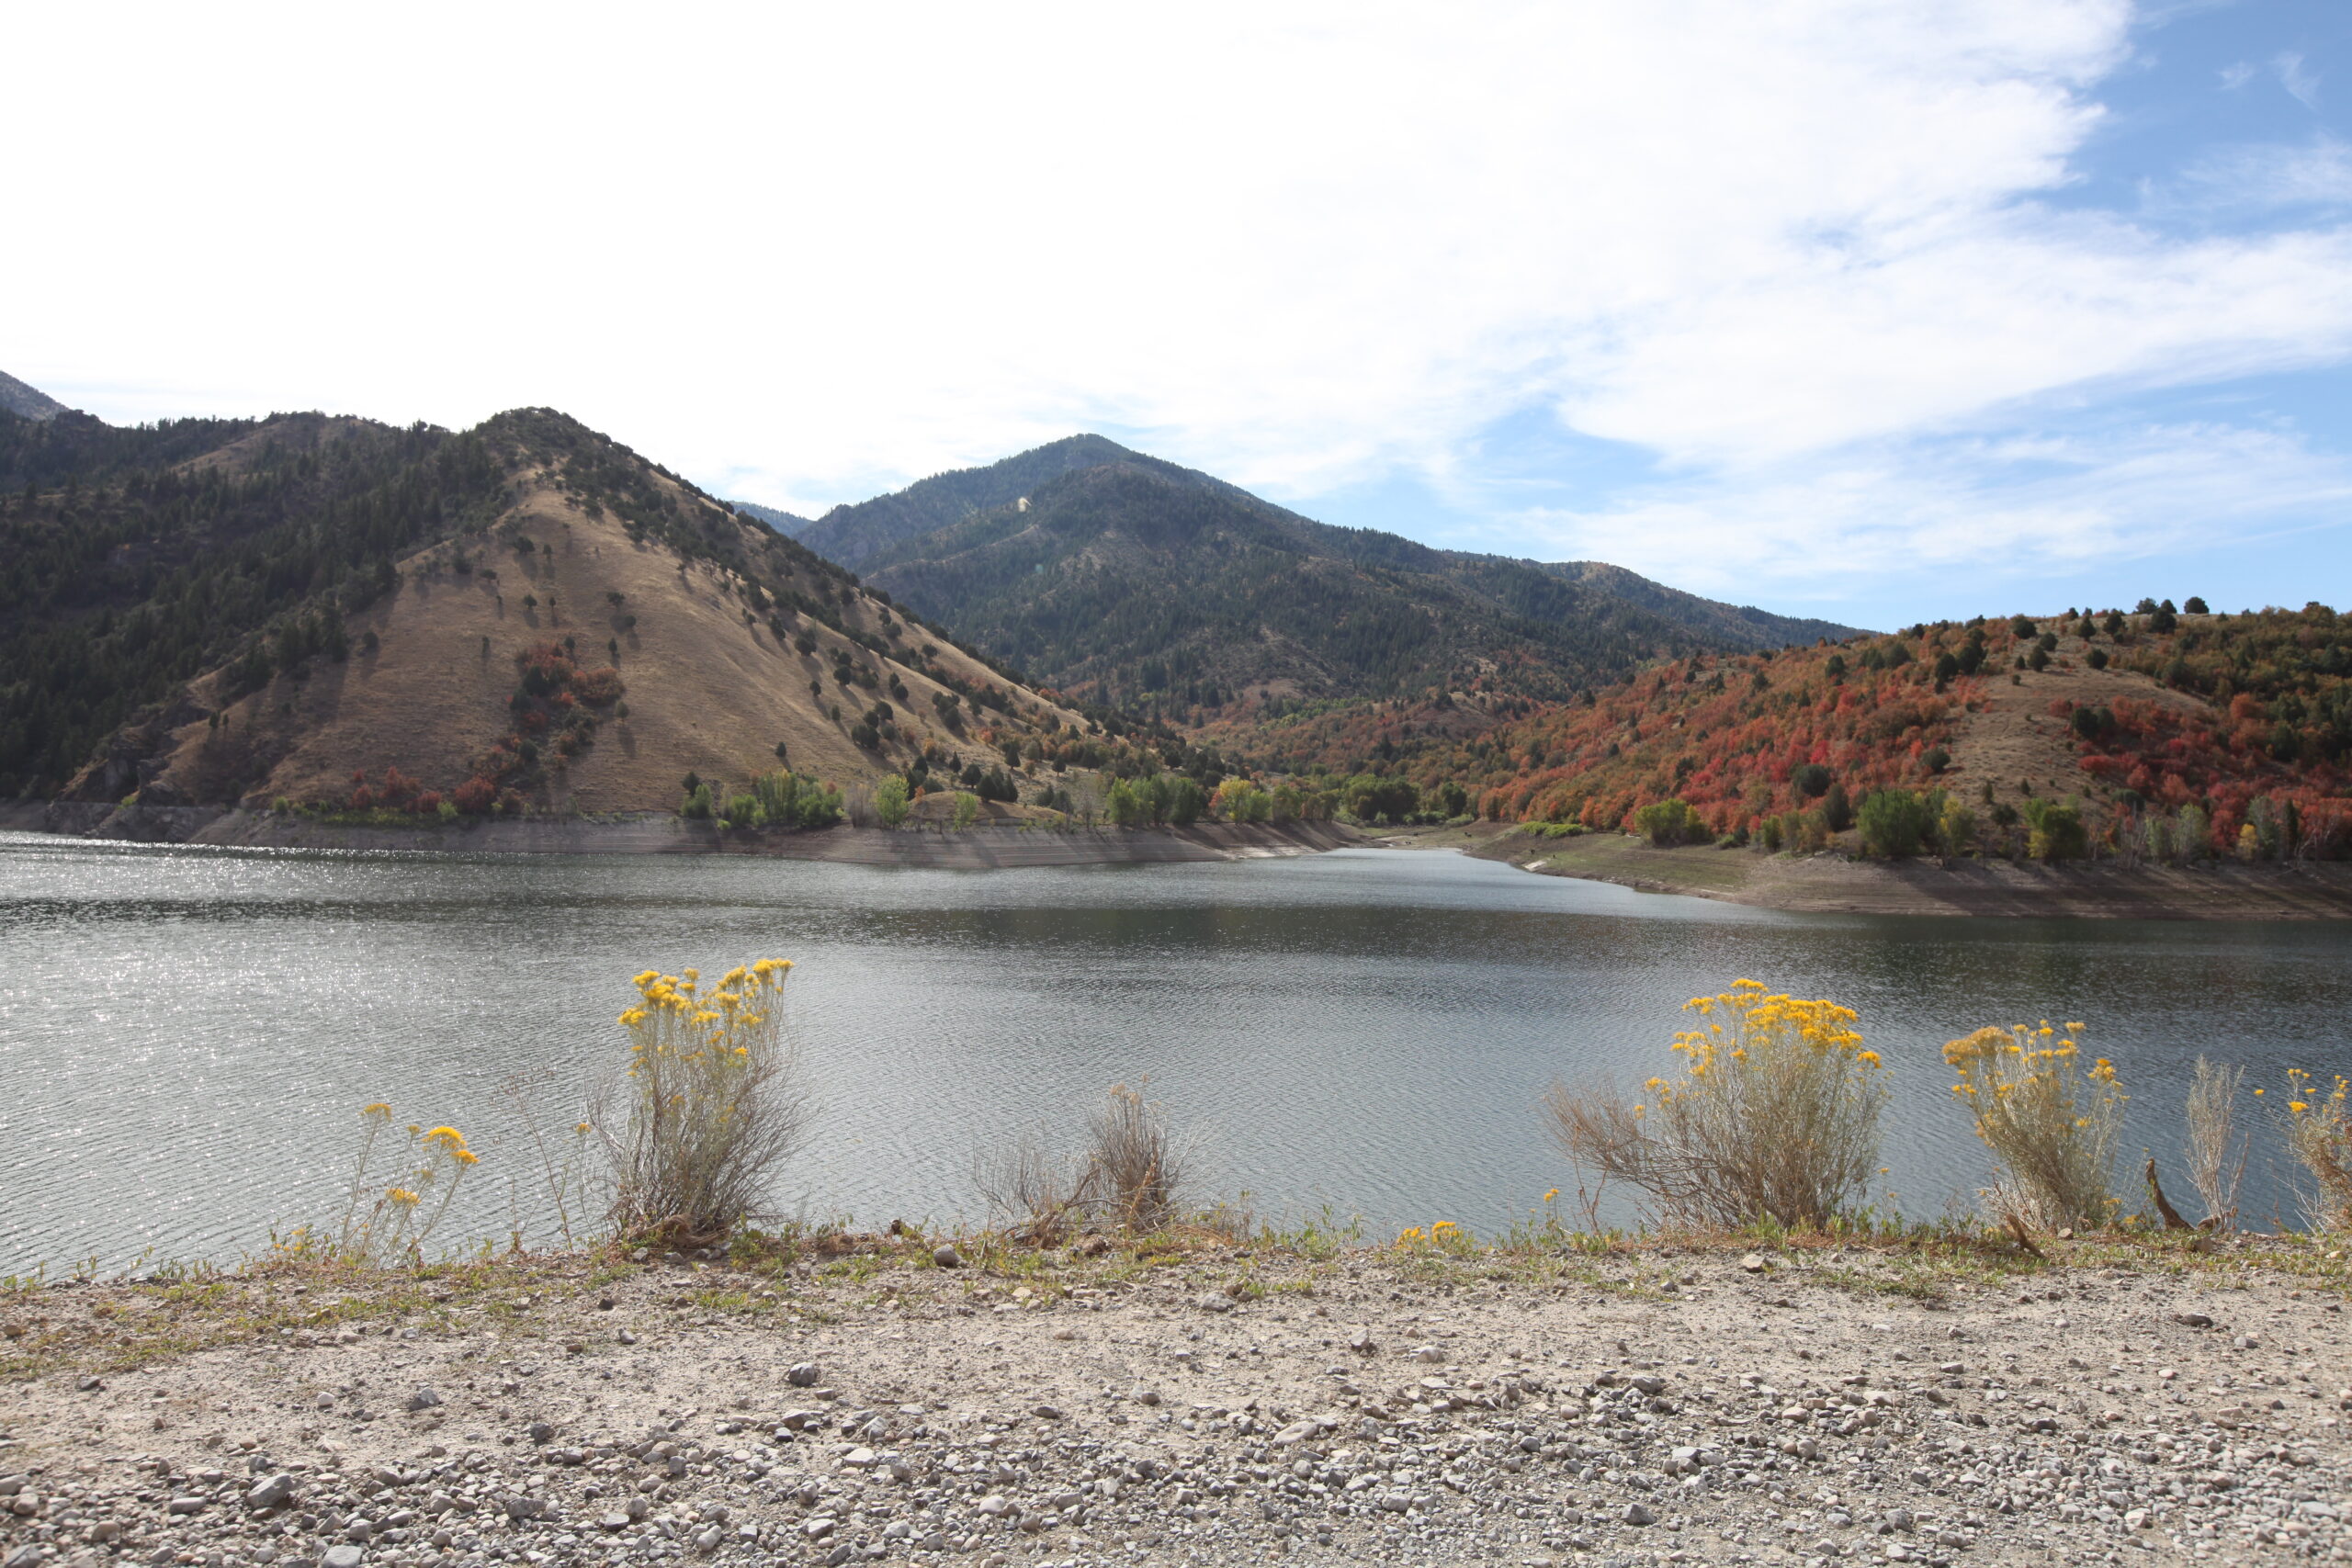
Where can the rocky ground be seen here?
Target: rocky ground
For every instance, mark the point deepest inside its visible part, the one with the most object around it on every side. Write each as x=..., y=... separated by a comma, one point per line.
x=1675, y=1405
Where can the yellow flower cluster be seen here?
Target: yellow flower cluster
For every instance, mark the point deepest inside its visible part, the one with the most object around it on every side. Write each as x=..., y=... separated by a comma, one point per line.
x=2019, y=1060
x=673, y=1019
x=1752, y=1020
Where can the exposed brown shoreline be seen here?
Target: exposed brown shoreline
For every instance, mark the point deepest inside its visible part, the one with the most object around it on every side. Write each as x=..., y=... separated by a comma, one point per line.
x=661, y=833
x=1833, y=884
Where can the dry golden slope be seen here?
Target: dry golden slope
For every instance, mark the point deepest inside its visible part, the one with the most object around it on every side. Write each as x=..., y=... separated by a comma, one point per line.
x=710, y=688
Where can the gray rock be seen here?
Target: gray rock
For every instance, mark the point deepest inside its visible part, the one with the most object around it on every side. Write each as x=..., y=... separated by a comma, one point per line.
x=185, y=1506
x=2192, y=1320
x=802, y=1375
x=424, y=1399
x=540, y=1432
x=274, y=1493
x=24, y=1556
x=342, y=1557
x=947, y=1256
x=1639, y=1514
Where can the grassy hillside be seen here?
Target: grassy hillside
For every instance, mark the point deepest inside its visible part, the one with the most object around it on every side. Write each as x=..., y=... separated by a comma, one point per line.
x=522, y=615
x=2175, y=736
x=1135, y=581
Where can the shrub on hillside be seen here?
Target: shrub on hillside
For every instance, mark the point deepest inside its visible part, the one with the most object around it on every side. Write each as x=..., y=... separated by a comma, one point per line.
x=890, y=801
x=2054, y=831
x=1777, y=1117
x=1669, y=822
x=1897, y=823
x=2051, y=1122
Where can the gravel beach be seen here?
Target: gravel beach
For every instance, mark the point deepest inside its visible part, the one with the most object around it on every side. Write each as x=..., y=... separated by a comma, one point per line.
x=1666, y=1405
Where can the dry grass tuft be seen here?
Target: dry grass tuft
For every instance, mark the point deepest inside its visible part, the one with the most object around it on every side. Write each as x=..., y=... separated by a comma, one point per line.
x=1129, y=1176
x=2216, y=1160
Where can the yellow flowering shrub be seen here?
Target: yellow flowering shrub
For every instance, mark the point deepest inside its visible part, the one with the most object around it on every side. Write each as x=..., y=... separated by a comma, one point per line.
x=2319, y=1133
x=709, y=1106
x=388, y=1224
x=2050, y=1115
x=1774, y=1117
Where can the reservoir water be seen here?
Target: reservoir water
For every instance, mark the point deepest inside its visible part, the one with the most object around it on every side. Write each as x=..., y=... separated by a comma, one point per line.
x=186, y=1034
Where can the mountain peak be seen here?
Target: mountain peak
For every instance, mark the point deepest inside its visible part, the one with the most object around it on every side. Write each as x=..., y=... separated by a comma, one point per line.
x=853, y=534
x=26, y=401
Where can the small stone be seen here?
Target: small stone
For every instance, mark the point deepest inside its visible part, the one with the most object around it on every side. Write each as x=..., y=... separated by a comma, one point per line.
x=1429, y=1353
x=1216, y=1301
x=1047, y=1413
x=24, y=1556
x=1753, y=1263
x=707, y=1541
x=615, y=1520
x=2192, y=1319
x=859, y=1459
x=185, y=1506
x=1149, y=1396
x=1639, y=1514
x=424, y=1399
x=1360, y=1340
x=274, y=1493
x=1296, y=1432
x=802, y=1375
x=995, y=1506
x=540, y=1432
x=342, y=1557
x=816, y=1526
x=626, y=1337
x=947, y=1256
x=91, y=1385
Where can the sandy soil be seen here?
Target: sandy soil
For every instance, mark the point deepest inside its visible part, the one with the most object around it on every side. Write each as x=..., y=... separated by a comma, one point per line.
x=1680, y=1405
x=1833, y=882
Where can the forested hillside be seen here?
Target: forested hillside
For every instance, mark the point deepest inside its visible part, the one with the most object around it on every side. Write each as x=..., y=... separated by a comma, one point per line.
x=2150, y=732
x=858, y=534
x=319, y=609
x=1131, y=581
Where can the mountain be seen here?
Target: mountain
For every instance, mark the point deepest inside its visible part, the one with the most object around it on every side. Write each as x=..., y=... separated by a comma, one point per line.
x=782, y=521
x=2173, y=734
x=27, y=402
x=1115, y=574
x=214, y=610
x=854, y=534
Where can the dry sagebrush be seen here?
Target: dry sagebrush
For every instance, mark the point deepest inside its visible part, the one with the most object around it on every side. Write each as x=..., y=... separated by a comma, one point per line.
x=711, y=1104
x=1130, y=1173
x=2051, y=1122
x=1777, y=1117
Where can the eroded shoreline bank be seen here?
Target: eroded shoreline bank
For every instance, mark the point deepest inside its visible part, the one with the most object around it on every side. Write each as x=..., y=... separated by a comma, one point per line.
x=655, y=833
x=1831, y=884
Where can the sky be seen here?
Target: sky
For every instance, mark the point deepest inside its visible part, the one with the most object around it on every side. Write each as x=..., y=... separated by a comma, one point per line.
x=1884, y=313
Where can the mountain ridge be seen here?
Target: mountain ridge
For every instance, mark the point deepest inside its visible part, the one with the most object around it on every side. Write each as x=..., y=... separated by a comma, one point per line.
x=314, y=609
x=1104, y=570
x=27, y=402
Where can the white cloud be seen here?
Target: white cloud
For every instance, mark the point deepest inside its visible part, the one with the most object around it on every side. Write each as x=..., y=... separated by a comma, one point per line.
x=2297, y=77
x=2263, y=177
x=2013, y=507
x=815, y=253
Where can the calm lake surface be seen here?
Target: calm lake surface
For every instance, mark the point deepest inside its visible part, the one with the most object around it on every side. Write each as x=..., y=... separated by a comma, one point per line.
x=186, y=1035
